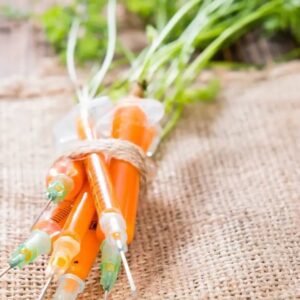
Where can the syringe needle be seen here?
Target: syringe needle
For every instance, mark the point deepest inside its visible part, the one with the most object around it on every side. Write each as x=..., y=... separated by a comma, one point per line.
x=106, y=295
x=42, y=211
x=128, y=272
x=5, y=271
x=44, y=290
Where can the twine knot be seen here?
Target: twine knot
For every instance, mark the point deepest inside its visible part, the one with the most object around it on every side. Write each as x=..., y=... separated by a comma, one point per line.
x=115, y=148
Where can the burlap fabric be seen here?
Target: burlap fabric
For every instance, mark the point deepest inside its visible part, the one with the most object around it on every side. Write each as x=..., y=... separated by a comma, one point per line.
x=220, y=219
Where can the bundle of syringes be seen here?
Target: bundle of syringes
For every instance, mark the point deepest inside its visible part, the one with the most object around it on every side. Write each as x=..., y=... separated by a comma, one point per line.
x=94, y=197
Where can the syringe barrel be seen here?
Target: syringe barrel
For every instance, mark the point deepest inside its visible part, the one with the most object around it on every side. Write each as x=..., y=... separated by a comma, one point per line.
x=84, y=261
x=53, y=222
x=100, y=183
x=134, y=120
x=129, y=123
x=81, y=215
x=66, y=131
x=97, y=170
x=67, y=246
x=80, y=124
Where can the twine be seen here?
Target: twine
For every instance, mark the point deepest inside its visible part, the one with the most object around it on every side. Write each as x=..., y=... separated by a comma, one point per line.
x=114, y=148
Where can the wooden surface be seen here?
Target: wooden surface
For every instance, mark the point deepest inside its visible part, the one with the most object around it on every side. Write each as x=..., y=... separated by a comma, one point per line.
x=22, y=44
x=20, y=49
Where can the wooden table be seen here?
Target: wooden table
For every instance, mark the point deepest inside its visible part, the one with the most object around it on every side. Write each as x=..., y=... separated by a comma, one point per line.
x=22, y=43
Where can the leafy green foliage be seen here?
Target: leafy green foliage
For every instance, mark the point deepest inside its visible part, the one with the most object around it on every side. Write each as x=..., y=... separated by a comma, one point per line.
x=145, y=9
x=180, y=52
x=156, y=12
x=92, y=40
x=203, y=94
x=287, y=18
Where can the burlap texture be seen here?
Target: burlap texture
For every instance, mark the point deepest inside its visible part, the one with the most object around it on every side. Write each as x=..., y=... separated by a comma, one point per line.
x=220, y=219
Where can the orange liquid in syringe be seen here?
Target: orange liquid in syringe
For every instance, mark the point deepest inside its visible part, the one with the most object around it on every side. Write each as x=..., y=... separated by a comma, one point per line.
x=130, y=124
x=84, y=261
x=55, y=222
x=97, y=172
x=81, y=215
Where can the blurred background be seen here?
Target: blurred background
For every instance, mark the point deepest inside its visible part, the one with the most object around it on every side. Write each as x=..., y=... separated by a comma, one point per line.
x=32, y=32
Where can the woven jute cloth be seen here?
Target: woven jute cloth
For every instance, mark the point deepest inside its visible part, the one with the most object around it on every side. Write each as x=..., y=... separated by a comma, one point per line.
x=220, y=219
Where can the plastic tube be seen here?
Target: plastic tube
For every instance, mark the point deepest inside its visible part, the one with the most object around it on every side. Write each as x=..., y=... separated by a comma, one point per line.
x=68, y=244
x=72, y=283
x=135, y=120
x=110, y=218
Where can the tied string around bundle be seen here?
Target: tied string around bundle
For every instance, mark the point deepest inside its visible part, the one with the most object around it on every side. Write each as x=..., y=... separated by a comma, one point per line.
x=113, y=148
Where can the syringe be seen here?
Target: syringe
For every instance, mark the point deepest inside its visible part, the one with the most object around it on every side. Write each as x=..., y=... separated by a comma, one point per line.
x=68, y=244
x=72, y=283
x=111, y=220
x=136, y=120
x=131, y=123
x=41, y=238
x=64, y=181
